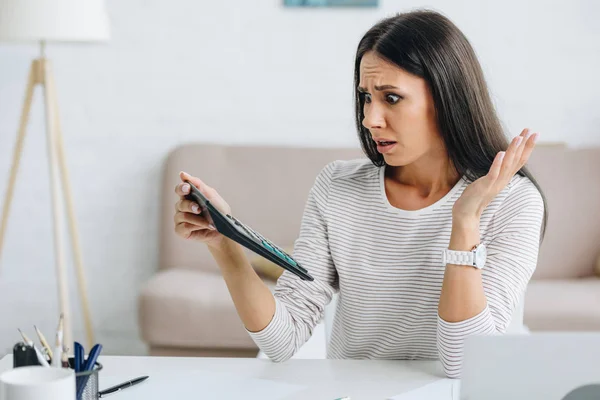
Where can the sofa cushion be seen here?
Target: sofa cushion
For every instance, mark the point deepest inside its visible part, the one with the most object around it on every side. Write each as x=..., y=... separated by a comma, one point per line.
x=569, y=179
x=563, y=305
x=184, y=308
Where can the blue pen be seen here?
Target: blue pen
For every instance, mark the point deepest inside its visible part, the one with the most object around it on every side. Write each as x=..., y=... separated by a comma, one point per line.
x=92, y=357
x=79, y=357
x=88, y=366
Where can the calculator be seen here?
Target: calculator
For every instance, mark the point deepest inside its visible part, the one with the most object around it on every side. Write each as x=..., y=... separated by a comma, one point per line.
x=241, y=233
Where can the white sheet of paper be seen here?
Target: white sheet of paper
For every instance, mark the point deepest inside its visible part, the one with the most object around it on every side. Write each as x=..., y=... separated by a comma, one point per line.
x=443, y=389
x=202, y=384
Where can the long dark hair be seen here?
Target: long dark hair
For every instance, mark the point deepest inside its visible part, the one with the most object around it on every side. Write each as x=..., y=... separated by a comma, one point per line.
x=427, y=44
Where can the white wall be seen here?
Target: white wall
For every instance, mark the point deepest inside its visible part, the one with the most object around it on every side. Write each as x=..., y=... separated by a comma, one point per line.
x=235, y=72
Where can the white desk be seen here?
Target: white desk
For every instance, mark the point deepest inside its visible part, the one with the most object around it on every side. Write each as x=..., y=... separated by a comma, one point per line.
x=322, y=379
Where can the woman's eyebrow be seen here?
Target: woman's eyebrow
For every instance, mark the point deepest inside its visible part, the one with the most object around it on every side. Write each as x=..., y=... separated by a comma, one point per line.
x=384, y=87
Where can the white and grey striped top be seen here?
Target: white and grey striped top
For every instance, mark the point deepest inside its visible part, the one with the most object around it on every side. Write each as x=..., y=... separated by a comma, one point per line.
x=386, y=265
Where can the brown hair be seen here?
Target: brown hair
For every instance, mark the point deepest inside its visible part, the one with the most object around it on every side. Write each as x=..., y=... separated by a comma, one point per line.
x=427, y=44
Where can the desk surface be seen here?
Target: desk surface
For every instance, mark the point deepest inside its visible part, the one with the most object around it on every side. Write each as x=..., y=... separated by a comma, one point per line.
x=321, y=379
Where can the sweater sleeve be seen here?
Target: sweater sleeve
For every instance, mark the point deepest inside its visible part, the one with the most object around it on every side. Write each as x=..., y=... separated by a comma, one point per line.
x=299, y=305
x=512, y=257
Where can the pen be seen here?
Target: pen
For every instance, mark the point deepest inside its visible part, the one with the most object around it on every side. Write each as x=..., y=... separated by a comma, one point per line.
x=92, y=357
x=39, y=355
x=87, y=365
x=122, y=386
x=44, y=342
x=78, y=355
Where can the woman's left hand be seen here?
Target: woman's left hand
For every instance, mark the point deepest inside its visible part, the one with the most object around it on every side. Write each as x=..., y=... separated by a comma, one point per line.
x=476, y=197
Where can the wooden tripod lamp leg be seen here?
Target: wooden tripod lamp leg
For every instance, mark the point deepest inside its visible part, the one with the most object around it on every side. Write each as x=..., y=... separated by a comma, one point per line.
x=81, y=280
x=31, y=82
x=61, y=268
x=40, y=73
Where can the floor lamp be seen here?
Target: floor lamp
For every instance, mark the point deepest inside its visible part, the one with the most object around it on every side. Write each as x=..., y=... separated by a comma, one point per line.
x=42, y=22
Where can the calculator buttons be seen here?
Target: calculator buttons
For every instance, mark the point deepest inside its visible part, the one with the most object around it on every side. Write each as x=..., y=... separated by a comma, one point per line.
x=274, y=249
x=267, y=245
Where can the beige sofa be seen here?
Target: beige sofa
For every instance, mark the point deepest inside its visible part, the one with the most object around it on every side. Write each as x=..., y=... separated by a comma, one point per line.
x=564, y=293
x=185, y=309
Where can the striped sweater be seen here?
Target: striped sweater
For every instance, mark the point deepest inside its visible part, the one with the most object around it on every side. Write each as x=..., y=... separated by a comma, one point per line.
x=386, y=265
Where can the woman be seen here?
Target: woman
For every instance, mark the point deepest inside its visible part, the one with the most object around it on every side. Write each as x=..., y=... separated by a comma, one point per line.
x=440, y=178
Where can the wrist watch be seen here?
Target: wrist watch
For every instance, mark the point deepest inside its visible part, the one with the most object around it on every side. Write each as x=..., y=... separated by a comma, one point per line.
x=474, y=258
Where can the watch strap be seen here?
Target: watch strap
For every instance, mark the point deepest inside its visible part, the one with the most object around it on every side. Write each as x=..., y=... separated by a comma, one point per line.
x=459, y=257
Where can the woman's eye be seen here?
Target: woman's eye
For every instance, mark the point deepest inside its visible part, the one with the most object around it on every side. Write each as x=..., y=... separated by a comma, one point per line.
x=392, y=98
x=366, y=97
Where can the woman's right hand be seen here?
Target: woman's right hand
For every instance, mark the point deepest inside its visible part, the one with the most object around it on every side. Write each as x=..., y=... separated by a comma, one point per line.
x=189, y=222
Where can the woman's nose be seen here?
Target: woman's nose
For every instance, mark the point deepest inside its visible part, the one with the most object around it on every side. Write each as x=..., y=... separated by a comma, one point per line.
x=374, y=118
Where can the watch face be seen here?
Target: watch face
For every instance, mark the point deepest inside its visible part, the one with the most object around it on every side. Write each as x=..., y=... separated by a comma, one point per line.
x=480, y=256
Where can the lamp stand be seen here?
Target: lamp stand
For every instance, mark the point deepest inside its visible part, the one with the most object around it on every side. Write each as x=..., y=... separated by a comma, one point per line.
x=40, y=73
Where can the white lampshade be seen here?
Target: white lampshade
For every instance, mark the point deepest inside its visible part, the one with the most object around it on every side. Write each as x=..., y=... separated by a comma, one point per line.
x=53, y=20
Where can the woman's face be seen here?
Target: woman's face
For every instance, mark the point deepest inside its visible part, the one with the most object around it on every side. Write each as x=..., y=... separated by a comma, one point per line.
x=398, y=106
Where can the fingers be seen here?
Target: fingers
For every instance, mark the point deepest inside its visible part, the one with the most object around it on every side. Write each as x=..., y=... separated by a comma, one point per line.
x=188, y=218
x=183, y=189
x=507, y=164
x=519, y=150
x=187, y=206
x=187, y=224
x=528, y=149
x=523, y=151
x=518, y=153
x=525, y=133
x=496, y=166
x=185, y=229
x=202, y=234
x=198, y=220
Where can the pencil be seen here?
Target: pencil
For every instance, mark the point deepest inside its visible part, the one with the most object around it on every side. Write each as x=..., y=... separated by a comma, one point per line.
x=60, y=354
x=44, y=342
x=39, y=355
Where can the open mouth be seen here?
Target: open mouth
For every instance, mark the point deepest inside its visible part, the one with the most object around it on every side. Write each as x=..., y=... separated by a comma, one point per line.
x=385, y=146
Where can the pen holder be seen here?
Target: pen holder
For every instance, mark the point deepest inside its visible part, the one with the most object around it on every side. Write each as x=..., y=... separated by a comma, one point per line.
x=24, y=356
x=86, y=382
